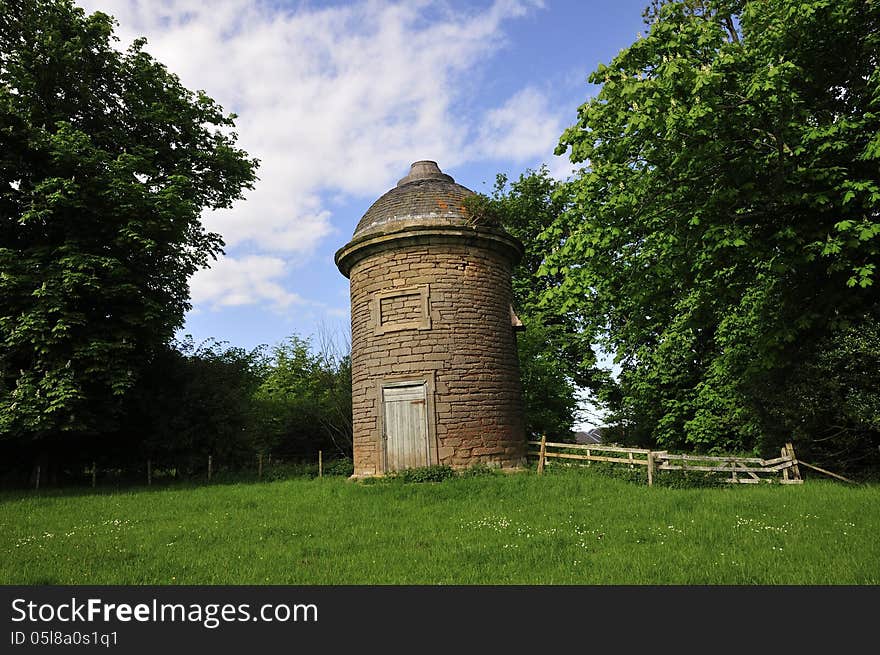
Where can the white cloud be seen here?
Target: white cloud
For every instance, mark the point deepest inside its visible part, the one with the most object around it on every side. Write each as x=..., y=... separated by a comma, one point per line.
x=521, y=128
x=333, y=101
x=561, y=168
x=248, y=280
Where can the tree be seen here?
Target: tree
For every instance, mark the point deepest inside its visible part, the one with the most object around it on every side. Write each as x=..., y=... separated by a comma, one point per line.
x=556, y=361
x=106, y=163
x=306, y=399
x=725, y=228
x=191, y=402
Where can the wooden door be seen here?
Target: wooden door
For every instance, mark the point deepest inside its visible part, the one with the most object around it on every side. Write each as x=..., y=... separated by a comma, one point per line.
x=406, y=426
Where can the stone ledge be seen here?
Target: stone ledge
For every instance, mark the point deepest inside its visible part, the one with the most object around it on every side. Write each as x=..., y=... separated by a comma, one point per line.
x=492, y=239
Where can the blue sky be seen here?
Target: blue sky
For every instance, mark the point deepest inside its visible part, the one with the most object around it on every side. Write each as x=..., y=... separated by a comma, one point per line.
x=337, y=99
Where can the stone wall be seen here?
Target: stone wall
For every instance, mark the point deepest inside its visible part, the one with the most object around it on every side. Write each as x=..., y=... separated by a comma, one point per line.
x=465, y=352
x=400, y=309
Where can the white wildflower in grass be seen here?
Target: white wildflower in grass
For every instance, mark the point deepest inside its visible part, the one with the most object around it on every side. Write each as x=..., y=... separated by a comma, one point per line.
x=758, y=527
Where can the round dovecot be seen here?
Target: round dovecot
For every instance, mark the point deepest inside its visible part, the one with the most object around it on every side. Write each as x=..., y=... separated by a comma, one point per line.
x=435, y=376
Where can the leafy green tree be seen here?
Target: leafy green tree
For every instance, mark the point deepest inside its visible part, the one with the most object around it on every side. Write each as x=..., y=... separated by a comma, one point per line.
x=556, y=360
x=191, y=402
x=106, y=163
x=725, y=227
x=829, y=398
x=305, y=400
x=550, y=395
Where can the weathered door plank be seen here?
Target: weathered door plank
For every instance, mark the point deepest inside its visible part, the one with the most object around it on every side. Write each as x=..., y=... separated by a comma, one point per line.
x=406, y=444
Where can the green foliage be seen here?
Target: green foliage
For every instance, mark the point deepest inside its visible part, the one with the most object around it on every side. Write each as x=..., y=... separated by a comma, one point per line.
x=829, y=399
x=191, y=401
x=555, y=358
x=194, y=401
x=481, y=211
x=688, y=480
x=550, y=395
x=106, y=164
x=288, y=471
x=305, y=400
x=478, y=470
x=724, y=234
x=343, y=466
x=434, y=473
x=232, y=403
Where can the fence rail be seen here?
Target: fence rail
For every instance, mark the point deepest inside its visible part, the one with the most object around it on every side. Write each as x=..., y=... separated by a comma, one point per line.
x=154, y=471
x=742, y=470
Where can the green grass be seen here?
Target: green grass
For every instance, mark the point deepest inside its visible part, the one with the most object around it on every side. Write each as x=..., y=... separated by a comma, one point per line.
x=567, y=527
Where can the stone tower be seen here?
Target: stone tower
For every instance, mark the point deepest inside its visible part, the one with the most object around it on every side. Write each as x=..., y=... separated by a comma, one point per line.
x=435, y=374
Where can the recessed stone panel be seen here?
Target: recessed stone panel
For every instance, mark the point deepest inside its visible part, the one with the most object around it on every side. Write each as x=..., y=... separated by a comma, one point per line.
x=401, y=308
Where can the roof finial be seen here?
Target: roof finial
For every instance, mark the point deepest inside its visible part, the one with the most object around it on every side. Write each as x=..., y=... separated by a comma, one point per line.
x=424, y=170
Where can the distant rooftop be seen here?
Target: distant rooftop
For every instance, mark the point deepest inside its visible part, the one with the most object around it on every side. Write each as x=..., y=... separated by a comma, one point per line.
x=593, y=435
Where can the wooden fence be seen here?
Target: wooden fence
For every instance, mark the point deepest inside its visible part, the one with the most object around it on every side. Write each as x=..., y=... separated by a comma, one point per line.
x=743, y=470
x=92, y=471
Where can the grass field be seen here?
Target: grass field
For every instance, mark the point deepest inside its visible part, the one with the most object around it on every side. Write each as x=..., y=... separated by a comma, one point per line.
x=567, y=527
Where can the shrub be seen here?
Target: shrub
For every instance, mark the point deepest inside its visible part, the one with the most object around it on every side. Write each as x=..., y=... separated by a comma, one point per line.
x=477, y=470
x=342, y=466
x=435, y=473
x=288, y=470
x=689, y=479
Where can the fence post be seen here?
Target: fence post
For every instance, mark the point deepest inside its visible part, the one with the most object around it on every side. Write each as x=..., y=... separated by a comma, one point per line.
x=260, y=466
x=542, y=454
x=210, y=466
x=149, y=473
x=794, y=469
x=37, y=487
x=784, y=452
x=650, y=468
x=93, y=474
x=320, y=465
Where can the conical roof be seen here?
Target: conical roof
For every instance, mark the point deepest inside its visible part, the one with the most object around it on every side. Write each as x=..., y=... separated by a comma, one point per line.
x=425, y=208
x=425, y=197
